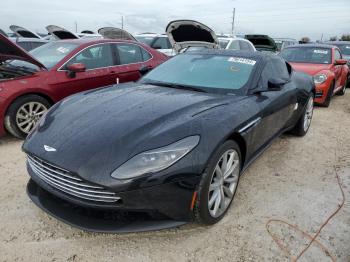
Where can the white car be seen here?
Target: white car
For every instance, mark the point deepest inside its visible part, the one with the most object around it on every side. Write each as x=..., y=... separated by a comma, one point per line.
x=236, y=43
x=157, y=41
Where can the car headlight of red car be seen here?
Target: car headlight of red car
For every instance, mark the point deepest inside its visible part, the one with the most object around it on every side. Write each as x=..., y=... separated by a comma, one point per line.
x=320, y=78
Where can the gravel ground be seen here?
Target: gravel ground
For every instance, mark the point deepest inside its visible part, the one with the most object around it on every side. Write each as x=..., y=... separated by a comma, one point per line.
x=293, y=180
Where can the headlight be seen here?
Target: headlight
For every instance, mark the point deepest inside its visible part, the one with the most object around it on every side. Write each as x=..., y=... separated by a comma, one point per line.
x=320, y=78
x=155, y=160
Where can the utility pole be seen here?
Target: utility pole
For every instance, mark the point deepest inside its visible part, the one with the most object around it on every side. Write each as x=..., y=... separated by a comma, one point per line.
x=76, y=26
x=122, y=22
x=233, y=21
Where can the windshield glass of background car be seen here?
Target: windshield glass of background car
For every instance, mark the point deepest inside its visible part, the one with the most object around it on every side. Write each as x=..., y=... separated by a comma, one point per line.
x=49, y=54
x=206, y=71
x=145, y=39
x=345, y=49
x=313, y=55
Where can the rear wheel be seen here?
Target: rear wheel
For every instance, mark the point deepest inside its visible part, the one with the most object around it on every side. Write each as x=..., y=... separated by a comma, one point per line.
x=218, y=184
x=304, y=121
x=24, y=113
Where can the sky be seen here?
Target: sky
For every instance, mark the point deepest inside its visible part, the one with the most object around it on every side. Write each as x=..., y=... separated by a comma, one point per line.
x=277, y=18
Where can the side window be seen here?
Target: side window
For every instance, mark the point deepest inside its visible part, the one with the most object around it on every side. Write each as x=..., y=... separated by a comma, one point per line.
x=245, y=46
x=94, y=57
x=275, y=68
x=145, y=55
x=234, y=45
x=161, y=43
x=129, y=54
x=337, y=54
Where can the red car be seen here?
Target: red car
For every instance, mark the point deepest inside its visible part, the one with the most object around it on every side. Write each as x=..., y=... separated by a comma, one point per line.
x=325, y=63
x=32, y=82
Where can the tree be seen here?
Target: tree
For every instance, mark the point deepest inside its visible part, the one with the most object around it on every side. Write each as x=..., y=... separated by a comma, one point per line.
x=305, y=40
x=345, y=37
x=333, y=38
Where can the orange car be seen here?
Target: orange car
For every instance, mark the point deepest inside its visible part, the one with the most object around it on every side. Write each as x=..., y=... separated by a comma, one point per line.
x=327, y=66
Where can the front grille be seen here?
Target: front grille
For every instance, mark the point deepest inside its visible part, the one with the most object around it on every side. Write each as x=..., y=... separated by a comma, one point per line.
x=69, y=183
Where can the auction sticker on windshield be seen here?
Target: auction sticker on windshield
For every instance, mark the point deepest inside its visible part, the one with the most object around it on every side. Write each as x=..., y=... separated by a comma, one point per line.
x=320, y=51
x=62, y=50
x=242, y=60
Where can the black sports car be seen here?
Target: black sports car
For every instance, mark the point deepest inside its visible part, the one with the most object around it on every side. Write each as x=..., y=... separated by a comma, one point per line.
x=168, y=149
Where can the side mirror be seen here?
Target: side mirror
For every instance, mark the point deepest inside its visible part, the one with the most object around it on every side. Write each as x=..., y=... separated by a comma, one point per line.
x=75, y=68
x=275, y=84
x=340, y=62
x=144, y=69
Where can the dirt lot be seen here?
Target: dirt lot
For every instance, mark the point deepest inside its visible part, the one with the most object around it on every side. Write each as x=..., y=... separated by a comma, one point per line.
x=293, y=180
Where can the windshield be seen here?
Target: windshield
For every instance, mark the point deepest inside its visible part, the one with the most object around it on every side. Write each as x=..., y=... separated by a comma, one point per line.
x=313, y=55
x=203, y=71
x=344, y=48
x=49, y=54
x=223, y=43
x=145, y=39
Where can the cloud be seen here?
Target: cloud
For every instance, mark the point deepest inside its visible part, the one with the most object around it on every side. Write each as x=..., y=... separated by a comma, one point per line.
x=278, y=18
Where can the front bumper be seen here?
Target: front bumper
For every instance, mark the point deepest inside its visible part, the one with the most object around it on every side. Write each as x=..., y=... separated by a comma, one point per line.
x=321, y=92
x=156, y=207
x=95, y=220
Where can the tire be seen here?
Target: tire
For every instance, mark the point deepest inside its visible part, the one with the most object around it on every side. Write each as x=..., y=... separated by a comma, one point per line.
x=343, y=90
x=348, y=82
x=204, y=214
x=17, y=121
x=304, y=122
x=327, y=102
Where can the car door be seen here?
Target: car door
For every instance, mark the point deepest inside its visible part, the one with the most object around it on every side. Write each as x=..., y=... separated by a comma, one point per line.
x=276, y=107
x=131, y=57
x=100, y=69
x=337, y=68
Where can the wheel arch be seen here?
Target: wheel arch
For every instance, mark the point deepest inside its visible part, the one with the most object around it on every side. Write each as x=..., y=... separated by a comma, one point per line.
x=45, y=96
x=241, y=143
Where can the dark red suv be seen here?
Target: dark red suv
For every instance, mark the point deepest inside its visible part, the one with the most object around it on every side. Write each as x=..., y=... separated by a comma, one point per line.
x=31, y=82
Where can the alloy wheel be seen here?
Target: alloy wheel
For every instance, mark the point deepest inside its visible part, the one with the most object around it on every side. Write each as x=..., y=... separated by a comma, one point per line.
x=308, y=113
x=223, y=183
x=28, y=115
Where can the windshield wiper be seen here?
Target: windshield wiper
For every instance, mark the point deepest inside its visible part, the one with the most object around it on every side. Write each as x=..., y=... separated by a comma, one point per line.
x=177, y=86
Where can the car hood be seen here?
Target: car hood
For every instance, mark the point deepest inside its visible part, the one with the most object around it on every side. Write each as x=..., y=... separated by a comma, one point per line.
x=102, y=129
x=60, y=33
x=188, y=33
x=9, y=50
x=262, y=42
x=310, y=69
x=115, y=33
x=23, y=32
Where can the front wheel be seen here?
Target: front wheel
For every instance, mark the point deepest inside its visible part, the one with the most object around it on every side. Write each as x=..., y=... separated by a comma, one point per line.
x=24, y=113
x=304, y=122
x=218, y=185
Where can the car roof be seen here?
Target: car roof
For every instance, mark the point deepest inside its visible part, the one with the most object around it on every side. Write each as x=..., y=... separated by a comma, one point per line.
x=152, y=34
x=337, y=42
x=89, y=41
x=27, y=39
x=310, y=45
x=233, y=38
x=284, y=39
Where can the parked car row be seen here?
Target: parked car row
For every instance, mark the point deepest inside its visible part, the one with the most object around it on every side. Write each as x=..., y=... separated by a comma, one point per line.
x=170, y=147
